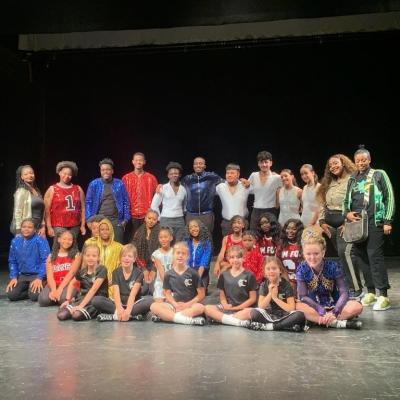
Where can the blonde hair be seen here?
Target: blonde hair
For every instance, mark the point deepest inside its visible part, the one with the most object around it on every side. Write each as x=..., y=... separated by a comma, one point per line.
x=181, y=245
x=278, y=262
x=312, y=235
x=128, y=248
x=85, y=249
x=235, y=249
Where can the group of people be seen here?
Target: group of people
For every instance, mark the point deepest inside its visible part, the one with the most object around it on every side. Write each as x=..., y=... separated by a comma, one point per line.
x=271, y=277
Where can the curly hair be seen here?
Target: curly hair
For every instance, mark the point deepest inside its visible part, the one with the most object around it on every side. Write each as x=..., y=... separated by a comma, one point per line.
x=72, y=251
x=275, y=227
x=67, y=164
x=348, y=166
x=204, y=233
x=299, y=231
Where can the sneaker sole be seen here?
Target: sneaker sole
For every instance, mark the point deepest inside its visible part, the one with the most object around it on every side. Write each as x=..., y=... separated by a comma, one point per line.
x=381, y=309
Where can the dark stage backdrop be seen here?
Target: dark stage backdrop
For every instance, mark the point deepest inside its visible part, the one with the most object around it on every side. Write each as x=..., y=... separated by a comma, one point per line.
x=302, y=101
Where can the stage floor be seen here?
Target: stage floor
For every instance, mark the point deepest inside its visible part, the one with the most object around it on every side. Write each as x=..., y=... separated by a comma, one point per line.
x=42, y=358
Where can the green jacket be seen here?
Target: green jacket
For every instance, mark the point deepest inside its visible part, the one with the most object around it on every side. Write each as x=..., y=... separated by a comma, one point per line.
x=381, y=198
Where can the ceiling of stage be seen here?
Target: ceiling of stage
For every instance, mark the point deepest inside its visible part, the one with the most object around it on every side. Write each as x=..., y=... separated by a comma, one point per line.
x=49, y=25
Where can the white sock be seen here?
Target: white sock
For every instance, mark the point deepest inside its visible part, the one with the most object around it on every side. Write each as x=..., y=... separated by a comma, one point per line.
x=338, y=323
x=179, y=318
x=229, y=320
x=115, y=316
x=269, y=326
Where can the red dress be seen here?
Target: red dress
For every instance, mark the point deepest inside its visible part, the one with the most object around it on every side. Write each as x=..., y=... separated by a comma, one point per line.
x=66, y=208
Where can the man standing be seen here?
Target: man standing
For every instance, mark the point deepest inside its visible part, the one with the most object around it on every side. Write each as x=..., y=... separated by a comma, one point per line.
x=233, y=195
x=141, y=186
x=108, y=196
x=201, y=189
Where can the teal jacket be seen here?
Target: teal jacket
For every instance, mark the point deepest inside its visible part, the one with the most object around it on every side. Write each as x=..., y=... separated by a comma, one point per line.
x=381, y=198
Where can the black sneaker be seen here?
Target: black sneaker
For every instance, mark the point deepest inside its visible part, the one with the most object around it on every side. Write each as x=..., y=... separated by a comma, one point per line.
x=297, y=328
x=353, y=324
x=355, y=294
x=198, y=321
x=256, y=326
x=138, y=317
x=105, y=317
x=155, y=318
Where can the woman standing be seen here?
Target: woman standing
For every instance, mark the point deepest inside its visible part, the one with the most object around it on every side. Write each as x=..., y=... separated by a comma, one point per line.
x=331, y=195
x=28, y=201
x=65, y=202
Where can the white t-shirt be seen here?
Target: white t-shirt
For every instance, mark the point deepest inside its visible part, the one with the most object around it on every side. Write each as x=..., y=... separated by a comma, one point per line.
x=264, y=193
x=173, y=204
x=233, y=203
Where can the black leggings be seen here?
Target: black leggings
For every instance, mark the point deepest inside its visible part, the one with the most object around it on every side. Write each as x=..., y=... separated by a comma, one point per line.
x=105, y=305
x=284, y=322
x=21, y=290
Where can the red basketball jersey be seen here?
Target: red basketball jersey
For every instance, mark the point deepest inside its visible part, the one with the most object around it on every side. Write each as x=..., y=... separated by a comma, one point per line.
x=61, y=266
x=267, y=246
x=65, y=210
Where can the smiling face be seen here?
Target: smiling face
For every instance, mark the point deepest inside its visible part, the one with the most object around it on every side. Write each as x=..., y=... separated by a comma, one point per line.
x=91, y=256
x=307, y=175
x=27, y=175
x=150, y=219
x=237, y=225
x=165, y=238
x=27, y=229
x=362, y=161
x=232, y=176
x=265, y=225
x=104, y=232
x=174, y=175
x=235, y=258
x=65, y=175
x=194, y=229
x=199, y=165
x=291, y=231
x=128, y=257
x=65, y=240
x=180, y=255
x=313, y=253
x=106, y=171
x=265, y=165
x=272, y=271
x=335, y=166
x=138, y=162
x=287, y=179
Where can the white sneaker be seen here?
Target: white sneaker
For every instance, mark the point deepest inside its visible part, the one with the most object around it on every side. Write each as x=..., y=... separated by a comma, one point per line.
x=382, y=304
x=368, y=299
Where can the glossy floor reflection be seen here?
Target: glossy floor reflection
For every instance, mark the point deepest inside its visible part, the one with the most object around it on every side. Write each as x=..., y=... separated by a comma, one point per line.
x=42, y=358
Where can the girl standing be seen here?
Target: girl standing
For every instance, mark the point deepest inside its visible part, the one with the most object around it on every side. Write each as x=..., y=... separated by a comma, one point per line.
x=310, y=213
x=288, y=197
